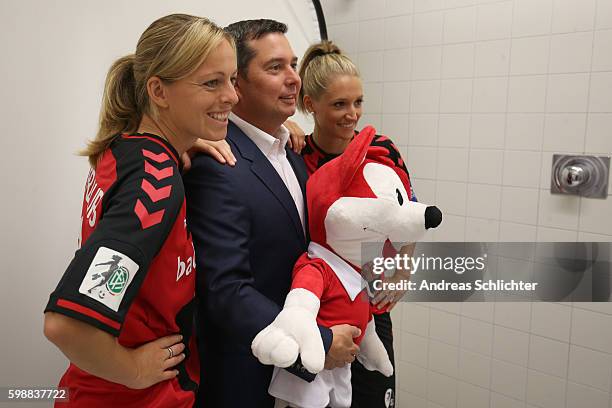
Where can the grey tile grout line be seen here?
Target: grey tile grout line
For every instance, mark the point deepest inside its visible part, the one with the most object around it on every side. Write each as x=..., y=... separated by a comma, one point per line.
x=521, y=37
x=610, y=386
x=509, y=76
x=503, y=158
x=586, y=124
x=503, y=164
x=569, y=348
x=434, y=10
x=427, y=386
x=513, y=151
x=408, y=136
x=529, y=348
x=547, y=89
x=475, y=40
x=428, y=340
x=469, y=141
x=500, y=77
x=586, y=132
x=437, y=115
x=505, y=76
x=526, y=113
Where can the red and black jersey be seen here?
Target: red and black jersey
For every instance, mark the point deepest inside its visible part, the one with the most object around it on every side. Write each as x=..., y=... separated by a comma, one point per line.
x=134, y=274
x=315, y=157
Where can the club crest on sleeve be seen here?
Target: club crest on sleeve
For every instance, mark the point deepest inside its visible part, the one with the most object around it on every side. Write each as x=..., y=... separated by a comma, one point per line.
x=108, y=277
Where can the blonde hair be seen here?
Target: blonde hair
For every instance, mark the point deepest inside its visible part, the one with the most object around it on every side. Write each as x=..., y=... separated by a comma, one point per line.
x=171, y=48
x=320, y=64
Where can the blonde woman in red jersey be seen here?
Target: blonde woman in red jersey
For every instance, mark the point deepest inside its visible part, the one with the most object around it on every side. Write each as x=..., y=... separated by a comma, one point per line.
x=123, y=311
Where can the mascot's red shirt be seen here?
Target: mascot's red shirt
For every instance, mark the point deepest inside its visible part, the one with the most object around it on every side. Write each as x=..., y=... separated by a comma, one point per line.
x=342, y=301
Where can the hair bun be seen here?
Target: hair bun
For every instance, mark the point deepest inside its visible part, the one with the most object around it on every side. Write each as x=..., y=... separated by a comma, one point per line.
x=327, y=47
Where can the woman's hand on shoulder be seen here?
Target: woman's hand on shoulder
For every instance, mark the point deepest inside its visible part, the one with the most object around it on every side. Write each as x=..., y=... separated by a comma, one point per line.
x=297, y=137
x=220, y=150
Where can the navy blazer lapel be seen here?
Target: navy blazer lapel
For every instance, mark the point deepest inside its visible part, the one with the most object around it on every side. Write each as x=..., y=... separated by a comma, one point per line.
x=264, y=170
x=299, y=168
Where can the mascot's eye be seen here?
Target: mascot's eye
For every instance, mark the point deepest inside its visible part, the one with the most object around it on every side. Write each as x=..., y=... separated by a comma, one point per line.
x=400, y=199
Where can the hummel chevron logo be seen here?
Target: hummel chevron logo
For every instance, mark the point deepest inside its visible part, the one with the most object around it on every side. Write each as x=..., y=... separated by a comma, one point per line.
x=159, y=174
x=159, y=158
x=155, y=194
x=147, y=219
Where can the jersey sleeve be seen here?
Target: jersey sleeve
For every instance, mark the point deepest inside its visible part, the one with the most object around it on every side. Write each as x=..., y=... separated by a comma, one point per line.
x=310, y=275
x=137, y=215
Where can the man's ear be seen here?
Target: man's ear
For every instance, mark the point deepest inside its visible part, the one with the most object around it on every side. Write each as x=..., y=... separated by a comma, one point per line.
x=158, y=92
x=239, y=80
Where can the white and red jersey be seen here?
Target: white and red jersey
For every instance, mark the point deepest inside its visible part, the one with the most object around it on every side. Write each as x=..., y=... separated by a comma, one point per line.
x=134, y=274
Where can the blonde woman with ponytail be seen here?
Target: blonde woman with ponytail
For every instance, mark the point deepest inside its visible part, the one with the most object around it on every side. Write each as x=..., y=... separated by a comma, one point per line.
x=332, y=93
x=123, y=311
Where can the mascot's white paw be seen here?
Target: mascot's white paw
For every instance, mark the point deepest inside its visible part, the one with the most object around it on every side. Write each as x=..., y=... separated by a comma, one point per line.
x=383, y=365
x=293, y=332
x=273, y=346
x=373, y=355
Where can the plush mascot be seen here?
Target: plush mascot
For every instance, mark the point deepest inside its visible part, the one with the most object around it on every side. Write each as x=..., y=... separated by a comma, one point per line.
x=358, y=197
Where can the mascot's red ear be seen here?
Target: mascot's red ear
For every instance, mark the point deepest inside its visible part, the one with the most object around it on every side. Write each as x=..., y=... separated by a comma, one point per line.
x=353, y=156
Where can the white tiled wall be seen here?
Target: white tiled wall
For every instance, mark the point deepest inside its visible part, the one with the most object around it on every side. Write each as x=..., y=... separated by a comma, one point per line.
x=504, y=355
x=478, y=95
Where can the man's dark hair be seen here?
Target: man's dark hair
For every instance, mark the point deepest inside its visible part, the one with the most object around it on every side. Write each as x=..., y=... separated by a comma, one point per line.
x=247, y=30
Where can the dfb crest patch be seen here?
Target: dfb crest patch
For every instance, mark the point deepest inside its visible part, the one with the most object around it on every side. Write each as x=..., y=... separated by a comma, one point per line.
x=108, y=277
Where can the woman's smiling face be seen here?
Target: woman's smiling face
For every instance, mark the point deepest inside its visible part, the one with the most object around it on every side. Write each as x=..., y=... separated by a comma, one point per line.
x=339, y=108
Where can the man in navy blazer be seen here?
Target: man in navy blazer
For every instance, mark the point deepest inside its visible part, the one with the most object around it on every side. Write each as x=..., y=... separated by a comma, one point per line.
x=248, y=225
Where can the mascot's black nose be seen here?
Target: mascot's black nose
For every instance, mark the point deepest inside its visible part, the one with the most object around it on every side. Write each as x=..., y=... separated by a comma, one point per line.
x=433, y=217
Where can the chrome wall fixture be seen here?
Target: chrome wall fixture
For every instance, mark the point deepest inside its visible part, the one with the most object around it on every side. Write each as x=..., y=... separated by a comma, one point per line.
x=586, y=176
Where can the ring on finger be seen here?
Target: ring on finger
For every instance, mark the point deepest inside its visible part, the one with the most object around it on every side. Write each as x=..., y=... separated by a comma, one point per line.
x=170, y=352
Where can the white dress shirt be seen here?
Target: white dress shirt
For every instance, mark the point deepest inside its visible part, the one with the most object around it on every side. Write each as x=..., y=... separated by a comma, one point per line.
x=273, y=147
